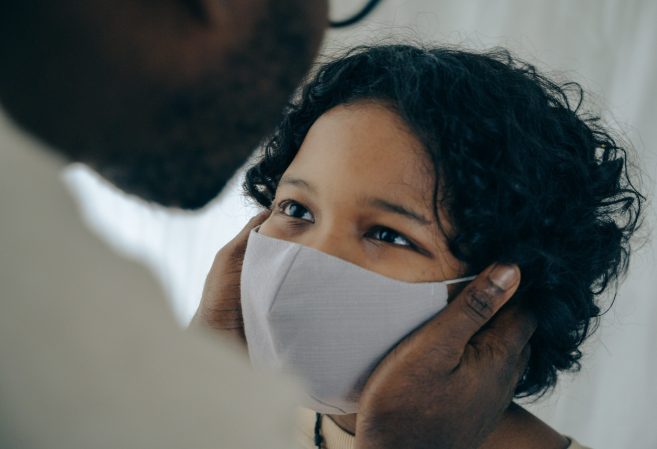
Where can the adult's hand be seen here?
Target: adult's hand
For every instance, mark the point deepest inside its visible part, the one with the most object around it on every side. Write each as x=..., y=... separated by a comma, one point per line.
x=221, y=307
x=448, y=384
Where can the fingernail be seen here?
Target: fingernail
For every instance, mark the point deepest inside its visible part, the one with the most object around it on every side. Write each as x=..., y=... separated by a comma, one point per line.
x=504, y=276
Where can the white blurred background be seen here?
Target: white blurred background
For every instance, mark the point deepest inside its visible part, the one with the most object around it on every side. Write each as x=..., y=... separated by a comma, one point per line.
x=609, y=46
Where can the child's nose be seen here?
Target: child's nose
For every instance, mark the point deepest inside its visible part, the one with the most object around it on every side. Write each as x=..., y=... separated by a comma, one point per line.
x=338, y=243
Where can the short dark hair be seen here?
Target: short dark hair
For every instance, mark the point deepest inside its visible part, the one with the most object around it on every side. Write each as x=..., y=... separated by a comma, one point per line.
x=525, y=176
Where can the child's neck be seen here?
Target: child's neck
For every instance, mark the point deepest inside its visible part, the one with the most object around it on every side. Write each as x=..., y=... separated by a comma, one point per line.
x=518, y=429
x=522, y=430
x=345, y=422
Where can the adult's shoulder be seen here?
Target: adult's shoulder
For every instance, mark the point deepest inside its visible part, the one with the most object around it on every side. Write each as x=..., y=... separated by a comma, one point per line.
x=91, y=355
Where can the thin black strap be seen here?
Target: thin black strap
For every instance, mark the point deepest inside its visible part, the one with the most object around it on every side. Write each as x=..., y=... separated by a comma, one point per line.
x=319, y=439
x=371, y=4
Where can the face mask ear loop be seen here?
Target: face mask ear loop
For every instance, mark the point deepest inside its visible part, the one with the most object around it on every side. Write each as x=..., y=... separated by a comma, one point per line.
x=459, y=280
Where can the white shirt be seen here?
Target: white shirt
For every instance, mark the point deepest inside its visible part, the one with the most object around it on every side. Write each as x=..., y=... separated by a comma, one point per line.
x=90, y=356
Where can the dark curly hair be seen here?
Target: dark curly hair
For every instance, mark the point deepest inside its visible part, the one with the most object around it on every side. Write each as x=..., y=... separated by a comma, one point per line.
x=525, y=176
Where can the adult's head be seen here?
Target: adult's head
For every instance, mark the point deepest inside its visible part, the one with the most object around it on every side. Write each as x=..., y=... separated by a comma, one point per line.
x=165, y=99
x=517, y=174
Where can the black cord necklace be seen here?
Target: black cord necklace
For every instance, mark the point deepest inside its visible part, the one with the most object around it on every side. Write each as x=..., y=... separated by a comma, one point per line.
x=319, y=439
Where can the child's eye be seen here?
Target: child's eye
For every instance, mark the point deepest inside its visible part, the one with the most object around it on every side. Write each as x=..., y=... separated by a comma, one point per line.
x=296, y=210
x=387, y=235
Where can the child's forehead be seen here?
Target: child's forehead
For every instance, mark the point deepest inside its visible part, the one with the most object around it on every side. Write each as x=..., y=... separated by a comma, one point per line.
x=365, y=147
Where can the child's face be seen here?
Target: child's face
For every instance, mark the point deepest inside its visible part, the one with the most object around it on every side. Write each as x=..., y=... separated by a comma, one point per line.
x=360, y=188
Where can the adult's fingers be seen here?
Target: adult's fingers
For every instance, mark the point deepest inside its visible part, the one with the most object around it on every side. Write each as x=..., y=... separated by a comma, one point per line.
x=503, y=346
x=455, y=325
x=509, y=332
x=220, y=301
x=227, y=262
x=234, y=249
x=241, y=238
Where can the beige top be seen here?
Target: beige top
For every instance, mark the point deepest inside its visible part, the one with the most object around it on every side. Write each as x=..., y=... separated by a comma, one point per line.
x=90, y=355
x=336, y=438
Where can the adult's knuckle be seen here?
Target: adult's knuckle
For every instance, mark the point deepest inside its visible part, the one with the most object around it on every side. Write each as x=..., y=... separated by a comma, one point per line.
x=447, y=354
x=510, y=364
x=501, y=347
x=222, y=254
x=500, y=365
x=478, y=304
x=228, y=255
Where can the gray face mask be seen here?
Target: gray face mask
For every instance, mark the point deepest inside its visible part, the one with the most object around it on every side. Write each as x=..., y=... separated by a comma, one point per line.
x=327, y=321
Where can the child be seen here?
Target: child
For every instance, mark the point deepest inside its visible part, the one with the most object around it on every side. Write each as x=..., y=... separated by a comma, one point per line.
x=426, y=165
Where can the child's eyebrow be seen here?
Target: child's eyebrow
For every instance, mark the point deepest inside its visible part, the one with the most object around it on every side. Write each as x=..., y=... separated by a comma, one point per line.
x=388, y=206
x=297, y=182
x=378, y=203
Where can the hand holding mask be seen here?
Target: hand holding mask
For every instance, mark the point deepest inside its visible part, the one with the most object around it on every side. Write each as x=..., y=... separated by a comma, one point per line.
x=461, y=377
x=450, y=382
x=220, y=308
